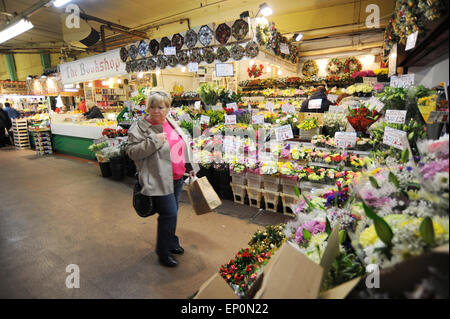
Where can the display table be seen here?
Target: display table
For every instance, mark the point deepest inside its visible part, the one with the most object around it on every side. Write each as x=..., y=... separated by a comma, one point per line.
x=74, y=139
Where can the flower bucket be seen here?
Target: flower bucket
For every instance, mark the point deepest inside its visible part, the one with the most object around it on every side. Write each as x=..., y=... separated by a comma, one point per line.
x=271, y=183
x=117, y=168
x=254, y=180
x=105, y=169
x=308, y=135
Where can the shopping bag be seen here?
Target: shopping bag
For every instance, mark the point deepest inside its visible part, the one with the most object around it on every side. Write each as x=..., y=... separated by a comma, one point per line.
x=202, y=196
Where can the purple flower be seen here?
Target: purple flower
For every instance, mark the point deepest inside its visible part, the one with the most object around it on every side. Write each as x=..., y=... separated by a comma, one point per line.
x=313, y=227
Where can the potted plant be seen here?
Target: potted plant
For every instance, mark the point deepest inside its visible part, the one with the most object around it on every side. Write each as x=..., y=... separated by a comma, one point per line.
x=308, y=128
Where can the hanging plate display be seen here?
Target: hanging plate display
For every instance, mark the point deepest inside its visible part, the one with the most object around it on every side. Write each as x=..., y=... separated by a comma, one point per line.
x=183, y=57
x=195, y=56
x=123, y=54
x=239, y=29
x=143, y=65
x=165, y=42
x=190, y=39
x=252, y=49
x=172, y=60
x=223, y=54
x=177, y=41
x=223, y=33
x=209, y=55
x=133, y=66
x=162, y=62
x=205, y=35
x=237, y=52
x=154, y=47
x=151, y=64
x=128, y=67
x=133, y=52
x=143, y=48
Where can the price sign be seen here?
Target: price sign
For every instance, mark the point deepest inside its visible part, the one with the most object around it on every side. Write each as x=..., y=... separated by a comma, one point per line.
x=232, y=106
x=284, y=48
x=336, y=109
x=258, y=119
x=345, y=139
x=170, y=51
x=377, y=103
x=395, y=116
x=230, y=119
x=193, y=67
x=437, y=117
x=402, y=81
x=314, y=104
x=288, y=108
x=197, y=105
x=269, y=106
x=411, y=41
x=216, y=108
x=332, y=98
x=395, y=138
x=284, y=132
x=204, y=119
x=370, y=80
x=228, y=145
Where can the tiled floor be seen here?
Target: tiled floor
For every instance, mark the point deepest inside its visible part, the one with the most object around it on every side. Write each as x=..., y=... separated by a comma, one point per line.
x=56, y=211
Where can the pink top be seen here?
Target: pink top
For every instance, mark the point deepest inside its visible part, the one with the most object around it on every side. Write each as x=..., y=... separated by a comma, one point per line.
x=177, y=150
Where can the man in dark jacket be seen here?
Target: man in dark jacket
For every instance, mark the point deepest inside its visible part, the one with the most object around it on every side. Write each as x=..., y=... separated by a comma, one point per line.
x=5, y=124
x=12, y=113
x=93, y=112
x=320, y=94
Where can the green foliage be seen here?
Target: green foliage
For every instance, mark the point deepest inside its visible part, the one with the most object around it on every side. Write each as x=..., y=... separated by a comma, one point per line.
x=215, y=117
x=228, y=96
x=382, y=228
x=269, y=239
x=189, y=126
x=97, y=147
x=420, y=91
x=345, y=267
x=427, y=231
x=210, y=93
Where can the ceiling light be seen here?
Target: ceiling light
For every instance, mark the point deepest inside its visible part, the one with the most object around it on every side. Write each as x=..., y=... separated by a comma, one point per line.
x=60, y=3
x=265, y=9
x=298, y=37
x=29, y=77
x=15, y=29
x=43, y=76
x=119, y=81
x=140, y=75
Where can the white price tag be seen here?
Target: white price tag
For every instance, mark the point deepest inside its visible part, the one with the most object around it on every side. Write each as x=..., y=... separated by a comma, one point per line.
x=258, y=119
x=197, y=105
x=437, y=117
x=345, y=139
x=314, y=104
x=332, y=98
x=170, y=51
x=336, y=109
x=284, y=132
x=284, y=48
x=395, y=138
x=230, y=119
x=232, y=106
x=269, y=106
x=395, y=116
x=193, y=67
x=370, y=80
x=228, y=145
x=204, y=119
x=411, y=41
x=377, y=103
x=402, y=81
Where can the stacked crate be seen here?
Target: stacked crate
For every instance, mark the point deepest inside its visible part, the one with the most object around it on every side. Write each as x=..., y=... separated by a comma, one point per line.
x=271, y=192
x=20, y=132
x=238, y=185
x=43, y=142
x=254, y=189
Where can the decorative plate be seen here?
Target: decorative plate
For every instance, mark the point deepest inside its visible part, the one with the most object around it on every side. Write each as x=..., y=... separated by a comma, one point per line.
x=190, y=39
x=239, y=29
x=151, y=64
x=162, y=62
x=123, y=54
x=154, y=47
x=237, y=52
x=143, y=48
x=165, y=42
x=128, y=67
x=205, y=35
x=209, y=55
x=252, y=49
x=223, y=54
x=223, y=33
x=177, y=41
x=183, y=57
x=133, y=52
x=133, y=66
x=141, y=65
x=195, y=56
x=172, y=60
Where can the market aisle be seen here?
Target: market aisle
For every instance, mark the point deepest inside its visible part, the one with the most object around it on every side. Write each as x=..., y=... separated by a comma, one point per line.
x=57, y=211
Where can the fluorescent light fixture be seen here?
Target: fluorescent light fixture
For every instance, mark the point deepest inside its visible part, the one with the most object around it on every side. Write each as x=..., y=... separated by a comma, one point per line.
x=298, y=37
x=265, y=9
x=43, y=76
x=15, y=29
x=70, y=90
x=60, y=3
x=68, y=86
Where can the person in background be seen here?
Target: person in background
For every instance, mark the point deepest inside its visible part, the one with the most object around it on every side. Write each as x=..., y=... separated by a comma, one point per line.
x=5, y=125
x=12, y=113
x=319, y=94
x=161, y=152
x=93, y=111
x=82, y=106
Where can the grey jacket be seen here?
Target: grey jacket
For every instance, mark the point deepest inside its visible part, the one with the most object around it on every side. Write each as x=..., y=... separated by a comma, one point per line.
x=152, y=158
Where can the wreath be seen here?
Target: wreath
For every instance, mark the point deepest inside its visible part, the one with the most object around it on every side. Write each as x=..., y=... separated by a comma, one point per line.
x=262, y=34
x=252, y=49
x=255, y=71
x=352, y=65
x=310, y=68
x=334, y=66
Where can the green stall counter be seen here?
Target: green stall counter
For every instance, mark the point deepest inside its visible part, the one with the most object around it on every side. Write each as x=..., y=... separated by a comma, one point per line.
x=74, y=146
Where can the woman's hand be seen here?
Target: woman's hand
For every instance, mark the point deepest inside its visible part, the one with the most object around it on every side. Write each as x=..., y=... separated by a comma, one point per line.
x=192, y=174
x=161, y=137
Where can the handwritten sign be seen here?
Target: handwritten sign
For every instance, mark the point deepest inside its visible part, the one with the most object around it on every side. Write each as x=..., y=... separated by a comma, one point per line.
x=395, y=116
x=232, y=106
x=224, y=69
x=402, y=81
x=314, y=104
x=345, y=139
x=411, y=41
x=370, y=80
x=332, y=98
x=193, y=67
x=170, y=51
x=230, y=119
x=228, y=144
x=437, y=117
x=284, y=132
x=395, y=138
x=284, y=48
x=197, y=105
x=258, y=119
x=204, y=119
x=377, y=103
x=269, y=106
x=336, y=109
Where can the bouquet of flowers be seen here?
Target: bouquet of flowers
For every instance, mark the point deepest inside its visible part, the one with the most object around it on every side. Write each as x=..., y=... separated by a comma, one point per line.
x=362, y=118
x=308, y=124
x=255, y=71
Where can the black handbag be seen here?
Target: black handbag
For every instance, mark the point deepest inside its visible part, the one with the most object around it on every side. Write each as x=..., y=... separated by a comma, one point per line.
x=143, y=204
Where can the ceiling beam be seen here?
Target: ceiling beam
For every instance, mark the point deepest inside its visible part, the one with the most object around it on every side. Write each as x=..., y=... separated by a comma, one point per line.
x=341, y=49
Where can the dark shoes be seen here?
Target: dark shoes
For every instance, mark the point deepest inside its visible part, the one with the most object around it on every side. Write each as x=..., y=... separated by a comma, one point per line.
x=168, y=261
x=179, y=251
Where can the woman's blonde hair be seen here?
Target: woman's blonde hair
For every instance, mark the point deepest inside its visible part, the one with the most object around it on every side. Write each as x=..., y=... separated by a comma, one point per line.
x=158, y=97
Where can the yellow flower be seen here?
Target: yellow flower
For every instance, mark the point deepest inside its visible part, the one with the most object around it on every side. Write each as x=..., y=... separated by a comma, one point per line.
x=328, y=159
x=368, y=236
x=376, y=170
